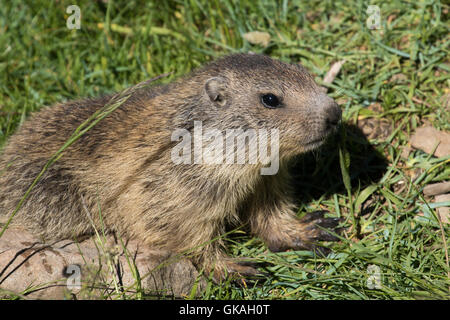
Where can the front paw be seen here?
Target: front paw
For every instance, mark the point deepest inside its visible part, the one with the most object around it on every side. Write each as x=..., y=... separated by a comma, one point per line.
x=305, y=234
x=316, y=226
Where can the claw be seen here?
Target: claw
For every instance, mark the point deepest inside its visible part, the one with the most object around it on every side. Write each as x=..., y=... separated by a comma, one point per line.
x=314, y=247
x=324, y=222
x=238, y=270
x=326, y=236
x=302, y=245
x=321, y=251
x=313, y=216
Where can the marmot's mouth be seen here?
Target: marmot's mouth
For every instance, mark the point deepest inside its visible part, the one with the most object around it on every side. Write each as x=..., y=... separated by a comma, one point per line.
x=320, y=140
x=316, y=141
x=313, y=144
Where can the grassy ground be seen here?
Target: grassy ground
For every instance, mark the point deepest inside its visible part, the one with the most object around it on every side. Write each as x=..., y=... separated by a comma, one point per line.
x=397, y=77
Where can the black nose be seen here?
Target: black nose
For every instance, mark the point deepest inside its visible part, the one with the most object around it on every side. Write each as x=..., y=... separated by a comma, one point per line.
x=333, y=115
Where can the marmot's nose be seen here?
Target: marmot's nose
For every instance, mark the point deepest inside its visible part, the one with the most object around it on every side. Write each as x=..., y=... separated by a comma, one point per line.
x=333, y=115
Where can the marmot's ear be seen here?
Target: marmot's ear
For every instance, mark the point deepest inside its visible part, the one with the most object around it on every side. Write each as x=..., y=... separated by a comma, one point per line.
x=215, y=89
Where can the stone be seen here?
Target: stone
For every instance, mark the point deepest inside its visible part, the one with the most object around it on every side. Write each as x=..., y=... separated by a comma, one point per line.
x=91, y=269
x=427, y=138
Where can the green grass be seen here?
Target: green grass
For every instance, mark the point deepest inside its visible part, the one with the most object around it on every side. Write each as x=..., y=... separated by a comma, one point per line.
x=404, y=68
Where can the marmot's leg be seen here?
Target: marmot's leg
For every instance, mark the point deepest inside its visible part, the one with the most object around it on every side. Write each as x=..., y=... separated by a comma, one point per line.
x=281, y=230
x=213, y=260
x=235, y=268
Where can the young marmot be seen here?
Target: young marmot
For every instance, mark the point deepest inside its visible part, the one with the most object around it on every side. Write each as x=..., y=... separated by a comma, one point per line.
x=124, y=167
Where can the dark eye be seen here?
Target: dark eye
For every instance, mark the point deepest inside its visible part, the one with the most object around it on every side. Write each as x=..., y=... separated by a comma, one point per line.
x=270, y=100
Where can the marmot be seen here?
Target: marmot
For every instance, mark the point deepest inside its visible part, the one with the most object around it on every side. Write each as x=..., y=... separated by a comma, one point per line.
x=124, y=169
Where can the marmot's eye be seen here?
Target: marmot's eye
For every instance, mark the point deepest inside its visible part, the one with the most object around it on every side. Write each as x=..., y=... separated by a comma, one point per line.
x=270, y=100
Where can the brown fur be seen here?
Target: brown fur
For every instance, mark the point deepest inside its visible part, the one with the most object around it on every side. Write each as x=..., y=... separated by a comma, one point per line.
x=123, y=164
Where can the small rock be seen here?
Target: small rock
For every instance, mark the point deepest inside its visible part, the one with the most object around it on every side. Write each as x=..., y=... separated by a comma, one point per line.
x=427, y=138
x=443, y=212
x=50, y=269
x=257, y=37
x=437, y=188
x=375, y=128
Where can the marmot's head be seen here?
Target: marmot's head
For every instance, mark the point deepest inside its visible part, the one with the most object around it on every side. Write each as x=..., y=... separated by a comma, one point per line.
x=255, y=91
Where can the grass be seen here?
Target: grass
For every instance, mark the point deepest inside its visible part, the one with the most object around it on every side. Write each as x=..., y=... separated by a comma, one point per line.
x=399, y=74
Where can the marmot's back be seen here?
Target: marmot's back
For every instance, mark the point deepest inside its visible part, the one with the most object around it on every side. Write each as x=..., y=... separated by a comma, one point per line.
x=26, y=154
x=55, y=204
